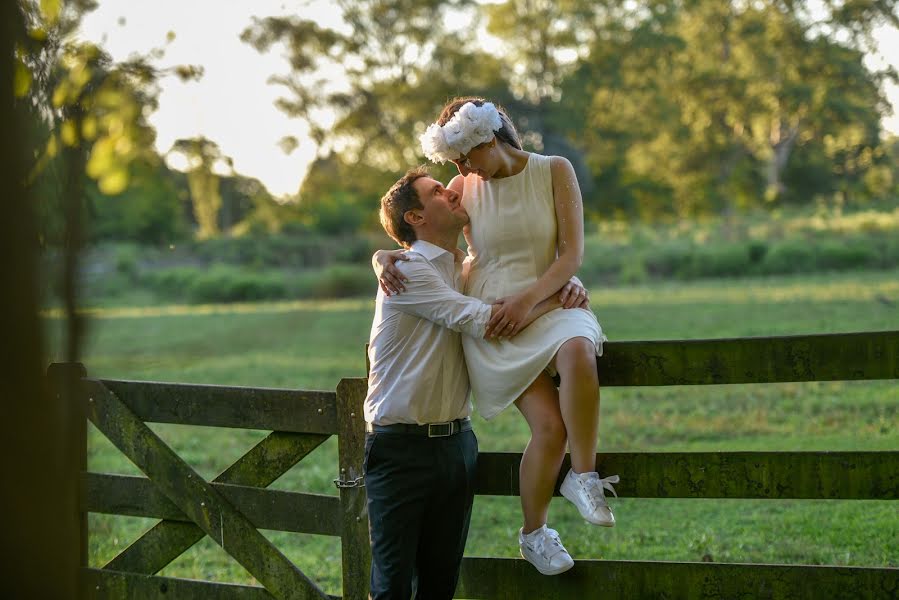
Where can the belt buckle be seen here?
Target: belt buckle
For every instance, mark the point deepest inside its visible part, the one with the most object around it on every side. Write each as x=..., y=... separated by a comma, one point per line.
x=440, y=429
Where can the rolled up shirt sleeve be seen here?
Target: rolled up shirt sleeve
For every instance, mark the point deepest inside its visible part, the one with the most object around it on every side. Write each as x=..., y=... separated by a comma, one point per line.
x=428, y=296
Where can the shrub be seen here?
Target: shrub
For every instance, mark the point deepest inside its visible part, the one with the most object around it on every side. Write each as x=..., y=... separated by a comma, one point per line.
x=126, y=262
x=229, y=284
x=343, y=281
x=789, y=256
x=718, y=260
x=173, y=282
x=295, y=250
x=669, y=258
x=890, y=252
x=602, y=262
x=633, y=270
x=757, y=251
x=847, y=254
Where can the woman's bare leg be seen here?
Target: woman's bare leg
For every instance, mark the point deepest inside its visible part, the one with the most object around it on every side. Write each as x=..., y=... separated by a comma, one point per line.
x=579, y=400
x=544, y=453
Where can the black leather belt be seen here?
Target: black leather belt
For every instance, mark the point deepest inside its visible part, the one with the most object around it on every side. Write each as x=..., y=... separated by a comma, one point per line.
x=428, y=430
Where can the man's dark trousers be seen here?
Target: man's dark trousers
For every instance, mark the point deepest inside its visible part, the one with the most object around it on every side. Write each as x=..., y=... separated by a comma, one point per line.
x=420, y=491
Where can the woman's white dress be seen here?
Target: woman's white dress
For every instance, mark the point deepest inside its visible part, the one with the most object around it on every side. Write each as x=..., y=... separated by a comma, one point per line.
x=512, y=243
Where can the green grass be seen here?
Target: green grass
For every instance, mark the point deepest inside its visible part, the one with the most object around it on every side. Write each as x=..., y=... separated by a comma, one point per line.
x=312, y=345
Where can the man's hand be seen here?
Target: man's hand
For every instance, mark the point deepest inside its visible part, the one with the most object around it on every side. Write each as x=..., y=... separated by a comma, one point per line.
x=511, y=317
x=572, y=295
x=389, y=277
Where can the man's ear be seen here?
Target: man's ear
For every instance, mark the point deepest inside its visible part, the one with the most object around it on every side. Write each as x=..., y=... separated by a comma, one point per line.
x=413, y=217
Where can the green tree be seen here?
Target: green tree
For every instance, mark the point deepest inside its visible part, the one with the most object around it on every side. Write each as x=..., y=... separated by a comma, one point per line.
x=86, y=113
x=149, y=211
x=248, y=206
x=202, y=156
x=340, y=198
x=701, y=105
x=401, y=64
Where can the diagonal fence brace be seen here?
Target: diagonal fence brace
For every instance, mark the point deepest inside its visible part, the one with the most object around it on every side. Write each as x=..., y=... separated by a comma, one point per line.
x=195, y=497
x=259, y=467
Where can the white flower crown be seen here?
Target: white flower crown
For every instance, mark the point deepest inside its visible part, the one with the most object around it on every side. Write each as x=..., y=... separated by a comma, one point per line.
x=471, y=126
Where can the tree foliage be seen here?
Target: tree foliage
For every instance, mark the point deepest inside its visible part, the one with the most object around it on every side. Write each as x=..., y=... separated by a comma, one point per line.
x=202, y=156
x=86, y=112
x=666, y=107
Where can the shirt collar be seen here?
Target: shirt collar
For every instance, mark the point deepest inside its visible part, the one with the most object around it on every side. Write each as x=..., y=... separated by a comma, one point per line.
x=429, y=250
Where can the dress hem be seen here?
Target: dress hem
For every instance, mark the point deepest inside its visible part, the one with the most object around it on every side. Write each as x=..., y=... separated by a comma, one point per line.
x=598, y=349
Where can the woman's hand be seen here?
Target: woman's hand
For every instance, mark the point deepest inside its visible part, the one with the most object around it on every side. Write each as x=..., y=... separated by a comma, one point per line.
x=389, y=277
x=574, y=295
x=508, y=319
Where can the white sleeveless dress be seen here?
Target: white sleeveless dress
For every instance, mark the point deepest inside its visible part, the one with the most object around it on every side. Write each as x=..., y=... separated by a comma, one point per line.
x=512, y=243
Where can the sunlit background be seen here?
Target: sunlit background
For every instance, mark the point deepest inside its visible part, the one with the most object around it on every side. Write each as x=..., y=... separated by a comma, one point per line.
x=234, y=105
x=739, y=163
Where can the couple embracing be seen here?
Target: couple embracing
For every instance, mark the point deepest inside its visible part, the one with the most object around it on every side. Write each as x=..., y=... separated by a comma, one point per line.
x=501, y=322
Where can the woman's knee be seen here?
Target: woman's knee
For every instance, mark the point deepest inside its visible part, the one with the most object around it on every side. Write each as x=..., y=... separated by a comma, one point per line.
x=550, y=432
x=540, y=407
x=577, y=357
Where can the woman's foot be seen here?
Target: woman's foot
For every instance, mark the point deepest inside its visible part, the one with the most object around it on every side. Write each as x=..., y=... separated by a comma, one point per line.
x=543, y=549
x=585, y=491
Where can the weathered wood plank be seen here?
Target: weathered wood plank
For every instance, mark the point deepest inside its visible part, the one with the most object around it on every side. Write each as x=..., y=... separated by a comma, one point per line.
x=828, y=357
x=267, y=509
x=63, y=380
x=298, y=411
x=195, y=497
x=101, y=584
x=766, y=475
x=260, y=466
x=354, y=543
x=613, y=579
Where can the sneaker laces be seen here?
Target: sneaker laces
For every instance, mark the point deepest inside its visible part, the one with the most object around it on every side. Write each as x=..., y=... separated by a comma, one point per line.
x=549, y=544
x=594, y=488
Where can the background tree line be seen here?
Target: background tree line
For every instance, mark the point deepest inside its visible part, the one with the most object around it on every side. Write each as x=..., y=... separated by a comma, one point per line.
x=668, y=109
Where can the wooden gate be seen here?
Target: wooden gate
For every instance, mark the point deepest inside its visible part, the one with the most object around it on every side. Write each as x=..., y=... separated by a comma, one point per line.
x=231, y=507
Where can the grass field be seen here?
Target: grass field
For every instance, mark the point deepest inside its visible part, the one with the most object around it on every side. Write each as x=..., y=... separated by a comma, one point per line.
x=312, y=345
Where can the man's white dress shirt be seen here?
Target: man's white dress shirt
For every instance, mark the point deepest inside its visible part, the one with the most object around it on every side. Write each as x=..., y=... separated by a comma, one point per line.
x=418, y=372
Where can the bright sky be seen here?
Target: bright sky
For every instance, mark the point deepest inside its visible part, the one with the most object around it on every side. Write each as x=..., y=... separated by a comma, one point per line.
x=233, y=104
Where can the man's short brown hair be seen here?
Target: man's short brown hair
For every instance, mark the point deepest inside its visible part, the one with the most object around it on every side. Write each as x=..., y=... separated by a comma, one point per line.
x=400, y=198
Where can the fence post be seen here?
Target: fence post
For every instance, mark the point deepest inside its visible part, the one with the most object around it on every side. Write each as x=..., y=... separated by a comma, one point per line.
x=354, y=542
x=64, y=383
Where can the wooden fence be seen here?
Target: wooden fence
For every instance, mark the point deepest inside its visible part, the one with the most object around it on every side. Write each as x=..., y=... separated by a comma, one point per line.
x=231, y=507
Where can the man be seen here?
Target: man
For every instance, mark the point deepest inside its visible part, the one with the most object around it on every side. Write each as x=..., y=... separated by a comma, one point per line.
x=420, y=451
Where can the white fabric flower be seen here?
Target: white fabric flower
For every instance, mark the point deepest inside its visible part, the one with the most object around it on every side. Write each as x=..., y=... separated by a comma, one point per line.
x=434, y=144
x=471, y=126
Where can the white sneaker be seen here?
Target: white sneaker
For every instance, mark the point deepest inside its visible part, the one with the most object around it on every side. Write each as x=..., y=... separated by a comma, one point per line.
x=543, y=549
x=586, y=492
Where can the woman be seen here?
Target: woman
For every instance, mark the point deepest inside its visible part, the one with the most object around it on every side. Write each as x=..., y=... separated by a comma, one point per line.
x=525, y=241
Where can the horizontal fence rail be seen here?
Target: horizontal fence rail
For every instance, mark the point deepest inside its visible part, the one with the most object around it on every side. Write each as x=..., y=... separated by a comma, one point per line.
x=104, y=584
x=267, y=509
x=626, y=580
x=827, y=357
x=223, y=406
x=763, y=475
x=231, y=507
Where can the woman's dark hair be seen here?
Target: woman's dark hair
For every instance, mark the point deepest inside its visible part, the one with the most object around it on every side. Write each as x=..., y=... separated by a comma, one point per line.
x=399, y=199
x=507, y=132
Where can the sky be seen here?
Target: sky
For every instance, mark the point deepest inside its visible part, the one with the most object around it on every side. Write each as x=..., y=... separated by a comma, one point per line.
x=233, y=105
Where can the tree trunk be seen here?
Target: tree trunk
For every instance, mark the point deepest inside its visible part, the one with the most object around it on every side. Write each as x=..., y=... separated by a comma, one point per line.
x=41, y=536
x=783, y=137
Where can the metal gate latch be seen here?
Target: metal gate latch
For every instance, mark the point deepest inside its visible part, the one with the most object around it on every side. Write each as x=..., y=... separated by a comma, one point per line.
x=350, y=483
